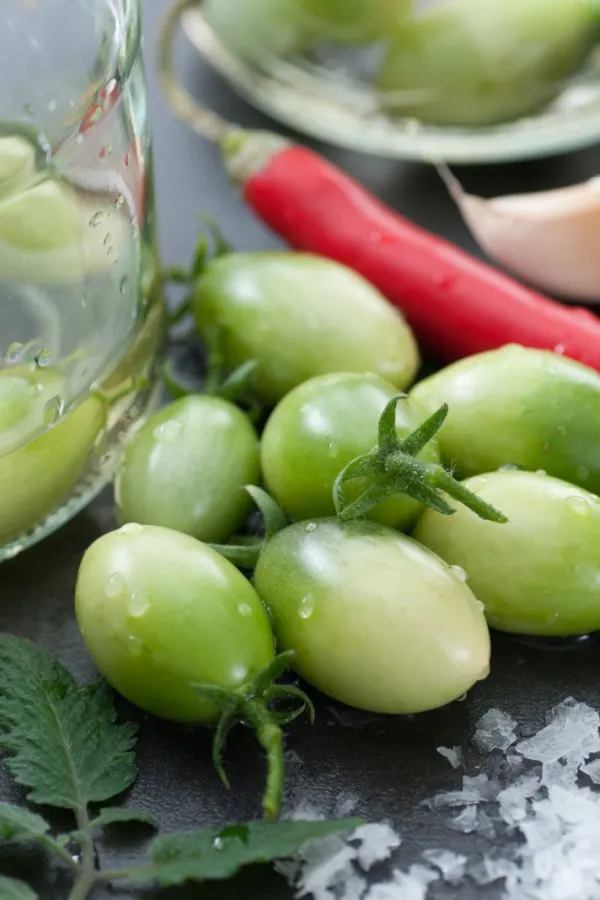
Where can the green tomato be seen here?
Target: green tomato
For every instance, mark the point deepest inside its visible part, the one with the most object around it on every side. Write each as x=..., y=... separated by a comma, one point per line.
x=376, y=621
x=481, y=62
x=299, y=316
x=50, y=234
x=318, y=429
x=355, y=21
x=186, y=468
x=40, y=461
x=159, y=611
x=254, y=27
x=17, y=163
x=522, y=407
x=540, y=573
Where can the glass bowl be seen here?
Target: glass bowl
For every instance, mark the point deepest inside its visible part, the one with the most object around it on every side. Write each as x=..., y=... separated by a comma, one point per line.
x=327, y=90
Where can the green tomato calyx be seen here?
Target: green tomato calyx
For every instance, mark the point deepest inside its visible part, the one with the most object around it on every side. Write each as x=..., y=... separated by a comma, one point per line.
x=253, y=703
x=245, y=552
x=392, y=468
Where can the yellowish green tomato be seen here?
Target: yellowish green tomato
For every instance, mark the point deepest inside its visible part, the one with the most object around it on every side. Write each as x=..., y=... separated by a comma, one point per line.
x=318, y=429
x=540, y=573
x=375, y=619
x=40, y=464
x=482, y=62
x=17, y=163
x=298, y=316
x=355, y=21
x=51, y=234
x=518, y=406
x=159, y=611
x=186, y=469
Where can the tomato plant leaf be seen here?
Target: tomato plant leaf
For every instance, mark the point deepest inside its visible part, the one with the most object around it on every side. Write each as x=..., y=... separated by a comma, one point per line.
x=63, y=741
x=216, y=854
x=116, y=816
x=18, y=824
x=13, y=889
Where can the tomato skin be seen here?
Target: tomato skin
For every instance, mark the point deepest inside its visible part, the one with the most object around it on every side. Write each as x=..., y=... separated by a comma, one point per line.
x=517, y=406
x=320, y=427
x=39, y=465
x=299, y=316
x=355, y=21
x=158, y=610
x=376, y=621
x=186, y=469
x=540, y=573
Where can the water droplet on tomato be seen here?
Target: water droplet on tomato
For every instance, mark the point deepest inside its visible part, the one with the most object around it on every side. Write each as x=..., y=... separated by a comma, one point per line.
x=131, y=528
x=560, y=349
x=458, y=572
x=139, y=604
x=579, y=505
x=52, y=411
x=510, y=467
x=115, y=586
x=334, y=450
x=168, y=431
x=307, y=607
x=14, y=354
x=245, y=610
x=480, y=606
x=124, y=284
x=96, y=219
x=563, y=430
x=312, y=526
x=541, y=472
x=463, y=697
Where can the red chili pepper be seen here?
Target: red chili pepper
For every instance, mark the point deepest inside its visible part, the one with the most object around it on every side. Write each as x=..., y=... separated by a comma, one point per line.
x=456, y=304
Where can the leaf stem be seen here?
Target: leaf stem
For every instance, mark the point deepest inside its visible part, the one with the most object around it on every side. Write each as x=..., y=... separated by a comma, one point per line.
x=87, y=876
x=53, y=847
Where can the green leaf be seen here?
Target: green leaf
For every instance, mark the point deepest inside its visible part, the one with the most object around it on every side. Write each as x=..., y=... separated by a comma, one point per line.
x=118, y=816
x=64, y=740
x=18, y=824
x=216, y=854
x=13, y=889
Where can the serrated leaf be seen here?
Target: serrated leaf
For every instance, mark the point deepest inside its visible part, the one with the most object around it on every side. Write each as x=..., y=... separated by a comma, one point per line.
x=64, y=740
x=13, y=889
x=18, y=824
x=215, y=854
x=118, y=816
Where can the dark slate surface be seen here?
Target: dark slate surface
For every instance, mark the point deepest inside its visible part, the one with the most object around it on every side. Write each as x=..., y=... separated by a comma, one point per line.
x=391, y=765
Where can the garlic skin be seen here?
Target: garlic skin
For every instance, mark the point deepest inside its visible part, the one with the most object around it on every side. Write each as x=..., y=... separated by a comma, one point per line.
x=550, y=239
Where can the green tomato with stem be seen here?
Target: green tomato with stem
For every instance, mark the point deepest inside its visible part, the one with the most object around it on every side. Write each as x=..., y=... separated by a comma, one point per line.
x=318, y=429
x=186, y=468
x=518, y=406
x=42, y=451
x=355, y=21
x=178, y=631
x=298, y=316
x=483, y=62
x=375, y=620
x=540, y=573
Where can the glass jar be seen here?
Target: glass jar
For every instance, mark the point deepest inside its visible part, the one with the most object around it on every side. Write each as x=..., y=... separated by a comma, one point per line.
x=81, y=313
x=434, y=80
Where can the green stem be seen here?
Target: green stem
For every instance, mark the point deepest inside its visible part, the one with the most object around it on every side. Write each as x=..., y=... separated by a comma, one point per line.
x=65, y=857
x=87, y=876
x=117, y=874
x=270, y=738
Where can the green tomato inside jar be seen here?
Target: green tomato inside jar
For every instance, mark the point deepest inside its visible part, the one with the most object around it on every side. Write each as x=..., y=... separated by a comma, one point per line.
x=43, y=450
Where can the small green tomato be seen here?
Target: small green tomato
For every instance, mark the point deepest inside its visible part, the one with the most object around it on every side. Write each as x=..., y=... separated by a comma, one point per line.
x=355, y=21
x=522, y=407
x=376, y=621
x=318, y=429
x=540, y=573
x=159, y=611
x=186, y=468
x=41, y=454
x=298, y=316
x=482, y=62
x=17, y=163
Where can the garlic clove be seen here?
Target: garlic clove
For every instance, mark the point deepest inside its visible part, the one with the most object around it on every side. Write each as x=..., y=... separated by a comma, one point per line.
x=550, y=239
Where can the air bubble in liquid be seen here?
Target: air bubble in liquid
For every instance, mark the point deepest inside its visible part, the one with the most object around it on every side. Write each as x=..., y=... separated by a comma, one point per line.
x=245, y=610
x=307, y=607
x=96, y=219
x=458, y=572
x=52, y=411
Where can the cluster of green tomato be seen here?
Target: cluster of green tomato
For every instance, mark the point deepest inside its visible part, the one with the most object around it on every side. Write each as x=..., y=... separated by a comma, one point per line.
x=376, y=619
x=463, y=62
